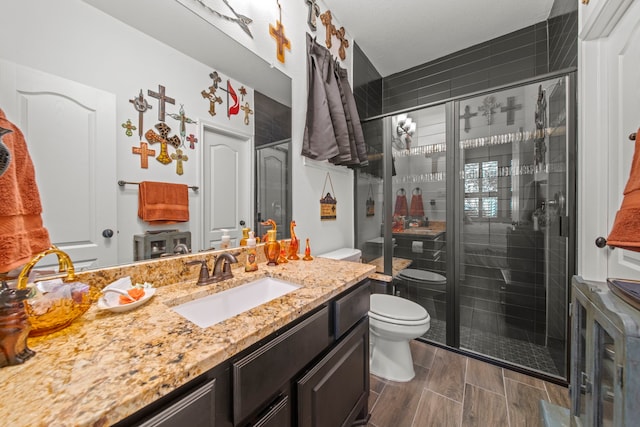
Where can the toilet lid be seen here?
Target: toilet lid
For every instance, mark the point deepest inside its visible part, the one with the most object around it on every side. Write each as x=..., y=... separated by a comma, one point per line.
x=422, y=276
x=396, y=309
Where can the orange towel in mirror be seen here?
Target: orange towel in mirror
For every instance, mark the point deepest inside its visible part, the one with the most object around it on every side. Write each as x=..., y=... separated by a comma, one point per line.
x=22, y=234
x=163, y=203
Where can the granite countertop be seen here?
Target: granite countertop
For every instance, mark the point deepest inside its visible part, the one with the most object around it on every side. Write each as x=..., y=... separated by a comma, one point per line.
x=397, y=264
x=419, y=231
x=106, y=366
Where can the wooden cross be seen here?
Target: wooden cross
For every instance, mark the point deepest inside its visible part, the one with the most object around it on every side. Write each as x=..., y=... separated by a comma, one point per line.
x=344, y=43
x=163, y=139
x=213, y=98
x=162, y=98
x=511, y=109
x=145, y=153
x=282, y=41
x=179, y=158
x=129, y=127
x=325, y=18
x=314, y=12
x=192, y=141
x=183, y=119
x=216, y=79
x=247, y=110
x=467, y=116
x=141, y=105
x=488, y=105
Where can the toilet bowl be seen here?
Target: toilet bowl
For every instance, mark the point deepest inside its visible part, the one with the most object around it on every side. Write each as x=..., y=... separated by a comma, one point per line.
x=393, y=322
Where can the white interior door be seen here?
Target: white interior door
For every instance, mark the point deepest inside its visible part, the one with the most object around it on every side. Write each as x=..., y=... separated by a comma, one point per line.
x=623, y=62
x=70, y=133
x=227, y=178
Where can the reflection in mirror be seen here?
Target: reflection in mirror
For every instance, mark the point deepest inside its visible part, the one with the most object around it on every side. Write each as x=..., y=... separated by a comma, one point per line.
x=94, y=65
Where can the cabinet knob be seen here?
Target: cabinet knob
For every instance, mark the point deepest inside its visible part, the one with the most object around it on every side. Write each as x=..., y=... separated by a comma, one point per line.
x=107, y=233
x=601, y=242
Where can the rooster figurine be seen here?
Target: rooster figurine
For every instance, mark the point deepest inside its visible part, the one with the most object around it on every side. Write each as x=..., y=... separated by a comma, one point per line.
x=294, y=245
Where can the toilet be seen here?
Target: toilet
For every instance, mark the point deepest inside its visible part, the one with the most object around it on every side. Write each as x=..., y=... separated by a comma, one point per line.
x=393, y=322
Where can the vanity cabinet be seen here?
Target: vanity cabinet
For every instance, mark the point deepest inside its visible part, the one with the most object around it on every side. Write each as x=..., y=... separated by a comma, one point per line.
x=425, y=247
x=312, y=372
x=605, y=357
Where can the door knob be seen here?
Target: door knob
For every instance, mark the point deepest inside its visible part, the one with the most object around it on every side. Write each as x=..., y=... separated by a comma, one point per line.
x=107, y=232
x=601, y=242
x=242, y=223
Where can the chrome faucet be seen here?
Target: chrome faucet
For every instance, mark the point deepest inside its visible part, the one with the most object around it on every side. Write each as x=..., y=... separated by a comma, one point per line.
x=221, y=269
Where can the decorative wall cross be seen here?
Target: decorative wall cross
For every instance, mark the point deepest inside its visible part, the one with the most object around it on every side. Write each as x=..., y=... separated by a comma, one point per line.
x=344, y=43
x=192, y=141
x=183, y=119
x=163, y=139
x=213, y=98
x=511, y=109
x=489, y=104
x=247, y=110
x=241, y=20
x=314, y=12
x=145, y=153
x=179, y=158
x=215, y=78
x=243, y=92
x=162, y=98
x=129, y=127
x=325, y=18
x=467, y=116
x=277, y=33
x=141, y=105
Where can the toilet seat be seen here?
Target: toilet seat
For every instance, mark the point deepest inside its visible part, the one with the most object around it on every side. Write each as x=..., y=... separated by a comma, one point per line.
x=422, y=276
x=399, y=311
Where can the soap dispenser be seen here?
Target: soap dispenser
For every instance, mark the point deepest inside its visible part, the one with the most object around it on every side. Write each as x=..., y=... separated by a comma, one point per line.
x=251, y=263
x=225, y=242
x=245, y=236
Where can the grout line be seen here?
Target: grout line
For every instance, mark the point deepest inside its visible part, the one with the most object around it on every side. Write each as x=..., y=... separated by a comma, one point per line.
x=415, y=414
x=506, y=399
x=464, y=389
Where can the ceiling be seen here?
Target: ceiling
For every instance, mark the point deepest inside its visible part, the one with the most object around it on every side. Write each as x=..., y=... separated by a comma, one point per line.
x=399, y=34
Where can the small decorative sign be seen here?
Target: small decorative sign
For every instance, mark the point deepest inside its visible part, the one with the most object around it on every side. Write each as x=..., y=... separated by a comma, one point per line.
x=371, y=204
x=328, y=203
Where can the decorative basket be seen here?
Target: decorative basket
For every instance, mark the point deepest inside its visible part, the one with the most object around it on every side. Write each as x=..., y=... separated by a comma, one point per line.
x=52, y=311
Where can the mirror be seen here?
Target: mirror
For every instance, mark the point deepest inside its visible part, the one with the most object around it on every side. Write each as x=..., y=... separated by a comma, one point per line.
x=89, y=44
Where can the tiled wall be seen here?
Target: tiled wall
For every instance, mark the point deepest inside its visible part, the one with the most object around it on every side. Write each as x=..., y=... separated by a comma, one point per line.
x=272, y=120
x=563, y=43
x=367, y=85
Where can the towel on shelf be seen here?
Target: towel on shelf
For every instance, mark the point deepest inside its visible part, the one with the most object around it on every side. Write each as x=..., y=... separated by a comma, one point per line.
x=22, y=234
x=163, y=203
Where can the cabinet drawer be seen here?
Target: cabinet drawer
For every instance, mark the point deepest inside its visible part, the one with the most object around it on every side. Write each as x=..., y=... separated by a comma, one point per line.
x=278, y=415
x=258, y=376
x=336, y=390
x=196, y=409
x=351, y=308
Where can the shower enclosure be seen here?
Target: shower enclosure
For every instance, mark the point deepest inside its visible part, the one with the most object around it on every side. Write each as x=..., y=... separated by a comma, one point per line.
x=481, y=190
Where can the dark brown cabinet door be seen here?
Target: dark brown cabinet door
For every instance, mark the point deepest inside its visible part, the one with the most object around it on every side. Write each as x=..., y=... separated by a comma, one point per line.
x=335, y=391
x=278, y=415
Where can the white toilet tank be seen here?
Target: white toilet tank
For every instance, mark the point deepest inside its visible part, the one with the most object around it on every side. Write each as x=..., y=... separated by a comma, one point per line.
x=344, y=254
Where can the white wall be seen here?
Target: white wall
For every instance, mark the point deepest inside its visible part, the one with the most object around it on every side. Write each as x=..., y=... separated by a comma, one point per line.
x=71, y=39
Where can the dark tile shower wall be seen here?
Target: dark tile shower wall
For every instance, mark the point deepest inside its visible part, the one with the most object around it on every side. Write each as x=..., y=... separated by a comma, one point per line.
x=563, y=41
x=367, y=85
x=516, y=56
x=272, y=120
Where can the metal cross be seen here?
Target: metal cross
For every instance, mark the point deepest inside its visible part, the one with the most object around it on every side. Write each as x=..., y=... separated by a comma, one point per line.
x=314, y=12
x=247, y=110
x=213, y=98
x=129, y=127
x=141, y=105
x=467, y=116
x=282, y=41
x=488, y=105
x=162, y=98
x=192, y=141
x=179, y=158
x=145, y=153
x=243, y=92
x=325, y=18
x=344, y=43
x=183, y=119
x=511, y=109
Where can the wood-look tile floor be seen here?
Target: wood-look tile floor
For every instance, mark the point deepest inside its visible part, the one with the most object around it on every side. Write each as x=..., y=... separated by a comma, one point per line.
x=453, y=390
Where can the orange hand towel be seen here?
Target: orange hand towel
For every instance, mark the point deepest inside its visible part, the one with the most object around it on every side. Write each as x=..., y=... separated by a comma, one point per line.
x=22, y=234
x=163, y=203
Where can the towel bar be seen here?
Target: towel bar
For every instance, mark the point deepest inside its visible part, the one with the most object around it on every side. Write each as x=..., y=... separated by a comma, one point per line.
x=122, y=183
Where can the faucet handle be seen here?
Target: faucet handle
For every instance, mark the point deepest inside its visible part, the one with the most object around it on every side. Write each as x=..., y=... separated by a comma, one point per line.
x=204, y=270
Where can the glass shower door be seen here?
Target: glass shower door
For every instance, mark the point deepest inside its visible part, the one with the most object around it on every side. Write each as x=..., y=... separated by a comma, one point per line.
x=513, y=252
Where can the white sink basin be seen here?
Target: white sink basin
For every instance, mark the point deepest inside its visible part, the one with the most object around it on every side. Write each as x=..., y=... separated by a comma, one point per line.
x=215, y=308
